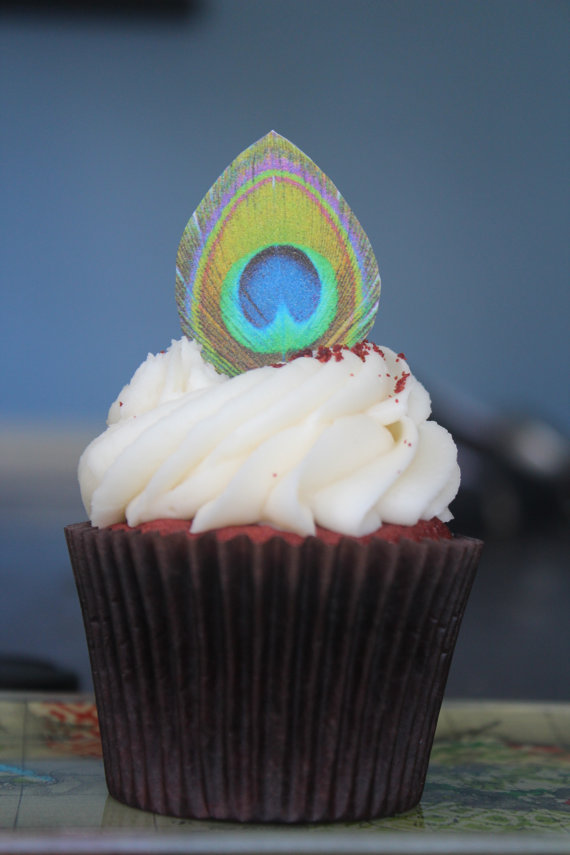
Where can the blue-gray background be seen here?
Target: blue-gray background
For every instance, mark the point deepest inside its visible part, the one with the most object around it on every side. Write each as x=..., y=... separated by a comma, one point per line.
x=444, y=125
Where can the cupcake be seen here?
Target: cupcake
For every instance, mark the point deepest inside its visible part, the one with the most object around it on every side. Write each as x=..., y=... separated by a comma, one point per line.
x=270, y=592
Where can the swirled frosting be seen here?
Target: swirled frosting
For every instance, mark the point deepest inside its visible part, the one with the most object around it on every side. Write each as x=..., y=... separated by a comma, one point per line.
x=340, y=438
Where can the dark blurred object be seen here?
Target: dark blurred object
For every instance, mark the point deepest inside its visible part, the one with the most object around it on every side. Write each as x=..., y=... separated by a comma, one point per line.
x=515, y=472
x=23, y=673
x=134, y=9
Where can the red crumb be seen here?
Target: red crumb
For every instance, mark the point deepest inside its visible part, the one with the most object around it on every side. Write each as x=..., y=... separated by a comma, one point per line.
x=362, y=349
x=306, y=352
x=432, y=529
x=401, y=383
x=401, y=356
x=324, y=354
x=120, y=403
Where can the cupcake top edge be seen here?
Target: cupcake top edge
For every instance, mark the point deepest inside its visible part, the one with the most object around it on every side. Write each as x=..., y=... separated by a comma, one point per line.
x=261, y=533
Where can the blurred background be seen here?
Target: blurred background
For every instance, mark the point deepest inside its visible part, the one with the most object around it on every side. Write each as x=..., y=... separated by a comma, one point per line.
x=444, y=125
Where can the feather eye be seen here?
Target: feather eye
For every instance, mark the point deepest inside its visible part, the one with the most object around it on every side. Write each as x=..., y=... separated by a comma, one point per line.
x=273, y=261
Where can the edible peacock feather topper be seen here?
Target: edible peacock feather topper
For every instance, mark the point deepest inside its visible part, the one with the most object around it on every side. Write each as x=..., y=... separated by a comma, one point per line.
x=273, y=261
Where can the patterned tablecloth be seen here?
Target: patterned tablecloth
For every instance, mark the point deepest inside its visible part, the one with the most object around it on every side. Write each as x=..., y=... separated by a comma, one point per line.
x=499, y=780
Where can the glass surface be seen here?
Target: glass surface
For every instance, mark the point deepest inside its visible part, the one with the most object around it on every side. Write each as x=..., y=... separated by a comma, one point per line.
x=495, y=768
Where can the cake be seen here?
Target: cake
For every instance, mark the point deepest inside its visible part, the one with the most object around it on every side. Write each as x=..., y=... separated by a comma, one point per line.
x=270, y=592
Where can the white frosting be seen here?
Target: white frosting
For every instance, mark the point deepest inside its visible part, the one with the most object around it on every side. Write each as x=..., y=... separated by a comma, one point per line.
x=344, y=444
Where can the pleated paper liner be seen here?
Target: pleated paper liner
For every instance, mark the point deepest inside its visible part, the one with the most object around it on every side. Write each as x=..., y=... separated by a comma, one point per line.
x=264, y=681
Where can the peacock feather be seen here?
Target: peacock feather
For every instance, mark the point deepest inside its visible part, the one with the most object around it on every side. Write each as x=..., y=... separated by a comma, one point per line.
x=273, y=261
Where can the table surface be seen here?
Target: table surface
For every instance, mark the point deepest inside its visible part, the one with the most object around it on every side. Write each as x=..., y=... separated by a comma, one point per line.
x=498, y=780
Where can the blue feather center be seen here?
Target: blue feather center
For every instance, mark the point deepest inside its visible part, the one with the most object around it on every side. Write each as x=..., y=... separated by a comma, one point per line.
x=279, y=276
x=279, y=298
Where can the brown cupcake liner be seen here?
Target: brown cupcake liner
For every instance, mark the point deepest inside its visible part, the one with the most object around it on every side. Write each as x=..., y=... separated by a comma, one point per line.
x=268, y=682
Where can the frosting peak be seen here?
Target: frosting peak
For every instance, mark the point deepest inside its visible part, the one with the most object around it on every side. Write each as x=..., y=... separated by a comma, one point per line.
x=340, y=438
